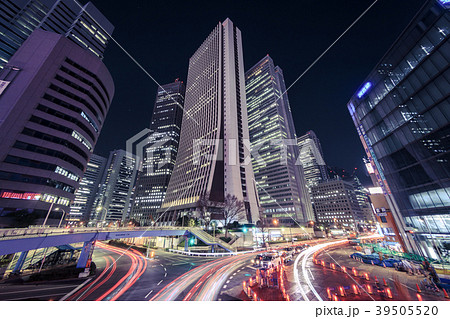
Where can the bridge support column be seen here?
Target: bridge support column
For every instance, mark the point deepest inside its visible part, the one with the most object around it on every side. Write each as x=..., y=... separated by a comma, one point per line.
x=20, y=262
x=186, y=243
x=84, y=261
x=212, y=248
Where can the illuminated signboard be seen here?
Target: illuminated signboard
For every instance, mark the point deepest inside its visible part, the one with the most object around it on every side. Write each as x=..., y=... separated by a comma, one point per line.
x=369, y=168
x=27, y=196
x=364, y=89
x=445, y=2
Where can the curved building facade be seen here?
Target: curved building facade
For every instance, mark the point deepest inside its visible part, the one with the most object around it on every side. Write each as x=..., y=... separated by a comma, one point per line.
x=51, y=113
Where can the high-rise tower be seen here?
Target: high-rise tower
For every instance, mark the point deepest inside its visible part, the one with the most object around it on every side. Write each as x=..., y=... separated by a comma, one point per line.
x=84, y=25
x=160, y=152
x=81, y=207
x=280, y=180
x=113, y=201
x=312, y=159
x=213, y=159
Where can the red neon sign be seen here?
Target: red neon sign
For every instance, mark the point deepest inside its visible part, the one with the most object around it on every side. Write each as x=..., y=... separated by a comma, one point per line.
x=27, y=196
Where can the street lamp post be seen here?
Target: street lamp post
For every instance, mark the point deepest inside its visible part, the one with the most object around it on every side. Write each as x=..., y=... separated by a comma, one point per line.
x=99, y=209
x=48, y=214
x=62, y=217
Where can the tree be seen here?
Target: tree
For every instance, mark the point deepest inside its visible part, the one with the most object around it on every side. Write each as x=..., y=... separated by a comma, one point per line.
x=263, y=225
x=233, y=209
x=202, y=205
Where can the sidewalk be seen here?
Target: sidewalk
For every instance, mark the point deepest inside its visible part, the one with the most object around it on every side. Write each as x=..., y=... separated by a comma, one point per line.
x=405, y=290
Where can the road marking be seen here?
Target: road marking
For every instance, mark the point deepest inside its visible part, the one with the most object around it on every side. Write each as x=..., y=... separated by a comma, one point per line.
x=148, y=293
x=160, y=282
x=220, y=299
x=165, y=275
x=239, y=270
x=75, y=290
x=231, y=277
x=50, y=288
x=234, y=274
x=35, y=297
x=162, y=265
x=224, y=286
x=311, y=274
x=165, y=269
x=403, y=285
x=228, y=281
x=252, y=267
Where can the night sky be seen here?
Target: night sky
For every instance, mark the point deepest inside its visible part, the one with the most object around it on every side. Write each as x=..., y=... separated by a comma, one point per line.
x=162, y=36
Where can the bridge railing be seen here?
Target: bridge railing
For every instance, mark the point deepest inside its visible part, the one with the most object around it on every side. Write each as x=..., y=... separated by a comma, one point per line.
x=10, y=233
x=222, y=254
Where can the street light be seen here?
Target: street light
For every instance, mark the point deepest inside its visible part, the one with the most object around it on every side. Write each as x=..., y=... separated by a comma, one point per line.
x=62, y=217
x=98, y=210
x=275, y=222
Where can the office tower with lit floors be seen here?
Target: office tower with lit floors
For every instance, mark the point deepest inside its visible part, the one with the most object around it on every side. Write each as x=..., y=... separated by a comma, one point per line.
x=85, y=194
x=213, y=160
x=82, y=24
x=335, y=202
x=402, y=114
x=160, y=153
x=113, y=202
x=51, y=113
x=312, y=159
x=280, y=181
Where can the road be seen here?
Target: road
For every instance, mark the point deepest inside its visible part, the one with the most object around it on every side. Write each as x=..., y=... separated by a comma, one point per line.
x=203, y=282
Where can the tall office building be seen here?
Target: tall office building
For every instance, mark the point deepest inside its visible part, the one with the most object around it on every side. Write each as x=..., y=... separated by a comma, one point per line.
x=160, y=153
x=402, y=115
x=85, y=194
x=84, y=25
x=51, y=114
x=113, y=201
x=312, y=159
x=335, y=201
x=281, y=185
x=213, y=159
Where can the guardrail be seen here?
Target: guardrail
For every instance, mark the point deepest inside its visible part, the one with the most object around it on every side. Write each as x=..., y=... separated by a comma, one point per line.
x=195, y=254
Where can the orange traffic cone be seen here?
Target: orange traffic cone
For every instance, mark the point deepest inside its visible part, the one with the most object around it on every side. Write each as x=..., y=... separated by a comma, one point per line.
x=445, y=294
x=384, y=282
x=418, y=288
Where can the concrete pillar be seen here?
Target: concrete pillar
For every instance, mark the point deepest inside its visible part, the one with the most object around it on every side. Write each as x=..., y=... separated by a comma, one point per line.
x=186, y=243
x=212, y=248
x=20, y=262
x=86, y=254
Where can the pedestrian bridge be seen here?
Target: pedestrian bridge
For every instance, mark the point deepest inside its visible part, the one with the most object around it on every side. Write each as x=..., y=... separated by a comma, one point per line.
x=26, y=239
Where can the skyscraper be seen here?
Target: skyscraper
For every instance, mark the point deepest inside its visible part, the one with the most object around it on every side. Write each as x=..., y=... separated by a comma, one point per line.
x=335, y=201
x=51, y=114
x=212, y=154
x=312, y=159
x=280, y=180
x=85, y=25
x=113, y=201
x=160, y=152
x=85, y=194
x=401, y=112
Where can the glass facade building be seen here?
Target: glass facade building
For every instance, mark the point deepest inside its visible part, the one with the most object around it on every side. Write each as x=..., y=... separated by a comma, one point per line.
x=402, y=114
x=160, y=153
x=113, y=202
x=312, y=159
x=84, y=25
x=280, y=181
x=87, y=191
